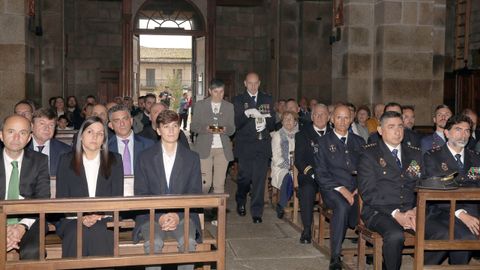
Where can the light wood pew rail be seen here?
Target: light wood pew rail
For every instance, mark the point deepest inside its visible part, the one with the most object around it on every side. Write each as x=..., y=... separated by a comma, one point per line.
x=116, y=205
x=421, y=244
x=65, y=136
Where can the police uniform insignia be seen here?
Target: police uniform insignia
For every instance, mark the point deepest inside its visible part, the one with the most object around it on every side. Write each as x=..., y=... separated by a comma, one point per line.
x=473, y=173
x=332, y=148
x=414, y=169
x=409, y=143
x=444, y=166
x=314, y=146
x=382, y=162
x=245, y=105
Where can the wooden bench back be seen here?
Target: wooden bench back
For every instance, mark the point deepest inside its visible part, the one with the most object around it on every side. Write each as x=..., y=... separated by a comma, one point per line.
x=65, y=136
x=115, y=206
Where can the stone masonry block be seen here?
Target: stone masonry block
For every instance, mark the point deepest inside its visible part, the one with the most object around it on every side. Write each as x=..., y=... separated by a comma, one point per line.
x=358, y=15
x=409, y=11
x=439, y=16
x=289, y=30
x=397, y=37
x=388, y=12
x=13, y=29
x=425, y=13
x=289, y=12
x=439, y=41
x=407, y=65
x=15, y=7
x=12, y=57
x=359, y=65
x=359, y=91
x=358, y=36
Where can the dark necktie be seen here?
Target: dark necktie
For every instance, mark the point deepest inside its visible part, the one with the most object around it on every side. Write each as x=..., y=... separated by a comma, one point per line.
x=321, y=132
x=40, y=148
x=458, y=157
x=343, y=139
x=397, y=160
x=254, y=100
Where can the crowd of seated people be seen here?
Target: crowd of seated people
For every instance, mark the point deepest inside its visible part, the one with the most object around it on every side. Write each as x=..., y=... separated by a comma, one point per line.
x=326, y=143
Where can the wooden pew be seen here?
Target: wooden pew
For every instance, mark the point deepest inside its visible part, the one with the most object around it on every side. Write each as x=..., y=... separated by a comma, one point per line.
x=123, y=254
x=421, y=245
x=65, y=136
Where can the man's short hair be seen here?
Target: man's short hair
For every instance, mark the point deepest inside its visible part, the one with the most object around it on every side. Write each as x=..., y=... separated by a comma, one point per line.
x=441, y=106
x=141, y=97
x=457, y=119
x=350, y=105
x=167, y=117
x=26, y=102
x=150, y=95
x=392, y=104
x=44, y=112
x=389, y=115
x=117, y=108
x=10, y=116
x=408, y=107
x=216, y=83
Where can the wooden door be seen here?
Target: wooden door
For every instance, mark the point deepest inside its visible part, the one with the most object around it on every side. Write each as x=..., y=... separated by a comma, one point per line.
x=108, y=85
x=228, y=77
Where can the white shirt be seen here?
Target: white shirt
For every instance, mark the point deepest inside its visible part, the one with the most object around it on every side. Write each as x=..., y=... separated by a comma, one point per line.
x=256, y=95
x=45, y=150
x=318, y=130
x=7, y=162
x=91, y=172
x=217, y=141
x=121, y=147
x=168, y=162
x=462, y=158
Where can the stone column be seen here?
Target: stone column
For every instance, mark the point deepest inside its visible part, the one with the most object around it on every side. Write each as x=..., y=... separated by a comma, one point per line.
x=391, y=51
x=13, y=55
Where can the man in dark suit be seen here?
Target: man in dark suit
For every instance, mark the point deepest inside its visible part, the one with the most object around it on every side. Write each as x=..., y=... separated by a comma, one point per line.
x=150, y=131
x=43, y=128
x=387, y=176
x=454, y=157
x=143, y=119
x=335, y=169
x=125, y=142
x=254, y=119
x=306, y=145
x=167, y=168
x=410, y=137
x=23, y=175
x=437, y=139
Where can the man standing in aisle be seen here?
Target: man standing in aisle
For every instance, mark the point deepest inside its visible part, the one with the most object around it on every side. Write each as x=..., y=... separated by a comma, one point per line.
x=254, y=119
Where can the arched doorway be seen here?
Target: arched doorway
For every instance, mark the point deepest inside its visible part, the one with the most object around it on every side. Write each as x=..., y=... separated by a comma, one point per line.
x=173, y=18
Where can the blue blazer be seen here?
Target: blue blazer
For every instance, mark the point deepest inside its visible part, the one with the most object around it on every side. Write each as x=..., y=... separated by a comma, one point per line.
x=140, y=143
x=57, y=148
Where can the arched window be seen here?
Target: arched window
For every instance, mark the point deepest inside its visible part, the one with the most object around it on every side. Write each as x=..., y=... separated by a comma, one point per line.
x=172, y=17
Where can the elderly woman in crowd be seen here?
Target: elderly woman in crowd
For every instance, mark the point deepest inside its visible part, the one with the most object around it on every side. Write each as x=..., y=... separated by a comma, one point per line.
x=89, y=171
x=283, y=146
x=359, y=127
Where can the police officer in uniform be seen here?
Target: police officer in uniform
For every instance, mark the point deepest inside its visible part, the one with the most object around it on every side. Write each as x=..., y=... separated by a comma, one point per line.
x=254, y=120
x=335, y=169
x=306, y=145
x=437, y=139
x=452, y=157
x=387, y=175
x=410, y=137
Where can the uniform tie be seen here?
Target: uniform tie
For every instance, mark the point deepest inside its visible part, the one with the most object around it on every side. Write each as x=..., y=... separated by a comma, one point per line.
x=343, y=139
x=321, y=132
x=458, y=157
x=127, y=164
x=397, y=160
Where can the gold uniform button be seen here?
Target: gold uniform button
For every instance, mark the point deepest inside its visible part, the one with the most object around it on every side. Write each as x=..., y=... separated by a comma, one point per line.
x=384, y=172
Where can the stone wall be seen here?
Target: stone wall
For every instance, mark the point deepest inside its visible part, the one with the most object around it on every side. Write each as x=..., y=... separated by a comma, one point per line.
x=16, y=56
x=474, y=57
x=242, y=43
x=94, y=42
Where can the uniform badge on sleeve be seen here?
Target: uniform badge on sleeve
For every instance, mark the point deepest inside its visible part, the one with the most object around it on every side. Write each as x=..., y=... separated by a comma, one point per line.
x=444, y=166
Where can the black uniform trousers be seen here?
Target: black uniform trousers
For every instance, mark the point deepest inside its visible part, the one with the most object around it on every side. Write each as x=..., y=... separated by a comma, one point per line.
x=97, y=239
x=252, y=171
x=307, y=190
x=344, y=216
x=29, y=243
x=393, y=240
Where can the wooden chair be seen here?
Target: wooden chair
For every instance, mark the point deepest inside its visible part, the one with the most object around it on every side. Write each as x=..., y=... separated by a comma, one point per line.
x=366, y=235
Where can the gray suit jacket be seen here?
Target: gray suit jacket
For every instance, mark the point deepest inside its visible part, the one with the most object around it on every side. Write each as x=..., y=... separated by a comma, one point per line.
x=203, y=117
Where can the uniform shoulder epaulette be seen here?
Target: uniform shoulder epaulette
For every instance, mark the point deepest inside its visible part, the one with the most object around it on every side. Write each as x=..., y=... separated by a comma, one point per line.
x=435, y=149
x=473, y=152
x=414, y=147
x=370, y=145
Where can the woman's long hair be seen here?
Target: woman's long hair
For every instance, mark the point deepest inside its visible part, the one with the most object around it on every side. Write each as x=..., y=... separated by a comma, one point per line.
x=105, y=159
